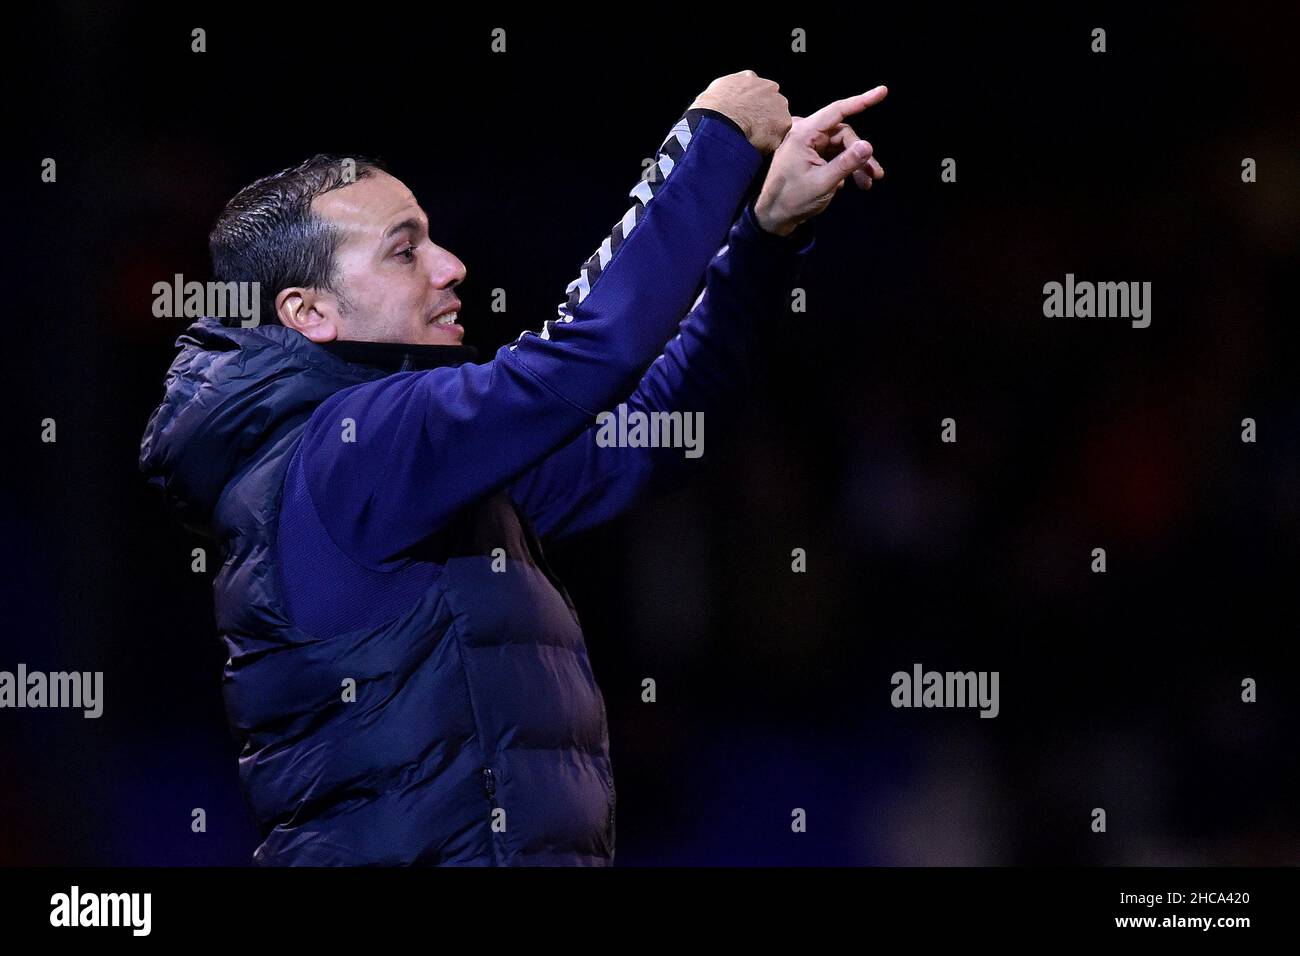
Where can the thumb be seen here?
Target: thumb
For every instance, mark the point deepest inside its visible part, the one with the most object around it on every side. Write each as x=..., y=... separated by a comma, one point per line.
x=853, y=158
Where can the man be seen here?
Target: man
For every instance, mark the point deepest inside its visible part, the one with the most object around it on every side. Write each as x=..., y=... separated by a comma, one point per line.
x=407, y=677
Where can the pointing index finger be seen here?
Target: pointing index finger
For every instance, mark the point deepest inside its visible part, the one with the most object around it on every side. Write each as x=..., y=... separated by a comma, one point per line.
x=829, y=115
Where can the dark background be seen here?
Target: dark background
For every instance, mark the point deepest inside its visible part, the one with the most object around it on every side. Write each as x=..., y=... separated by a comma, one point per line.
x=1119, y=690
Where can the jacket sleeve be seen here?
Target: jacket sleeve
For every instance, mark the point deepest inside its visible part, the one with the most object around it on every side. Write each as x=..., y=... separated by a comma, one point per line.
x=705, y=372
x=389, y=462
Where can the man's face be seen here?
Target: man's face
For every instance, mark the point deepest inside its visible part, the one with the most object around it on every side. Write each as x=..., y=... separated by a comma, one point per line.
x=396, y=280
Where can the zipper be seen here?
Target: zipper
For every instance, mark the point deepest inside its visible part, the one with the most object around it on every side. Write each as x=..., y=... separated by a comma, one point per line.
x=609, y=822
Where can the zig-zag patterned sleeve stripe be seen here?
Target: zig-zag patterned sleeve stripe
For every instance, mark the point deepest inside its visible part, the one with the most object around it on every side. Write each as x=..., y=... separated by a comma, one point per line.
x=643, y=193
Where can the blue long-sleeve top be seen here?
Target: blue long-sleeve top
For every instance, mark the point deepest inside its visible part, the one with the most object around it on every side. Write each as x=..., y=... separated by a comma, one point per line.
x=356, y=516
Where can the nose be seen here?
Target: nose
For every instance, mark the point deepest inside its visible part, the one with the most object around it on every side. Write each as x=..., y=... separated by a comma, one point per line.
x=448, y=271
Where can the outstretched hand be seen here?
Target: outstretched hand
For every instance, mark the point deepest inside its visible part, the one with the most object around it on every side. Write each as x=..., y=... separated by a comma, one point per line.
x=818, y=154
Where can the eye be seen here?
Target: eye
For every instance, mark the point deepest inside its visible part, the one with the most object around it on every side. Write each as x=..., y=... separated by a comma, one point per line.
x=409, y=253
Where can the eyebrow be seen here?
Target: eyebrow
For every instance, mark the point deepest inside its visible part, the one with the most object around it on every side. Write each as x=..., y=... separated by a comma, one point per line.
x=411, y=223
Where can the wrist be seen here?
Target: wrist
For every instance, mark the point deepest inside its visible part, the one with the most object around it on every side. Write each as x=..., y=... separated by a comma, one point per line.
x=800, y=240
x=696, y=108
x=769, y=219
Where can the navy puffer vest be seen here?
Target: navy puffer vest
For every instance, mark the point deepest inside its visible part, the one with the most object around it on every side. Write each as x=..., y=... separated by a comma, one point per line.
x=477, y=734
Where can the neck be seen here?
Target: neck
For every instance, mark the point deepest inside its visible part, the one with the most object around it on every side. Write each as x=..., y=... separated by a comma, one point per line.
x=399, y=356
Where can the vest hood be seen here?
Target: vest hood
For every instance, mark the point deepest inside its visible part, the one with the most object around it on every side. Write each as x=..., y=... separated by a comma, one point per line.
x=230, y=390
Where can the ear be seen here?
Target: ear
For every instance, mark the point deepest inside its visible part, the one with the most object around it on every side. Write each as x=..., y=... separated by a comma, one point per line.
x=309, y=312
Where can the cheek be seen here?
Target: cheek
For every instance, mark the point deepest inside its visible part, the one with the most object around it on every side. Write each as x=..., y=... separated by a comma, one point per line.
x=389, y=296
x=404, y=285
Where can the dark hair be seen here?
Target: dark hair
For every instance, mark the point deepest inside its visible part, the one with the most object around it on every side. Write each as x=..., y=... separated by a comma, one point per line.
x=268, y=233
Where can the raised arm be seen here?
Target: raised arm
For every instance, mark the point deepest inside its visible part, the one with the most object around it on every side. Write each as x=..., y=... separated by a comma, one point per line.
x=707, y=368
x=705, y=371
x=425, y=444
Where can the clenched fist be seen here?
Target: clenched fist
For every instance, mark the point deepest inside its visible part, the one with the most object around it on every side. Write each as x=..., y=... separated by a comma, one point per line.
x=755, y=104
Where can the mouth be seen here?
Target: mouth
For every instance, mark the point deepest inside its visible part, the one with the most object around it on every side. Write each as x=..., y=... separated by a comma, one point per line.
x=447, y=317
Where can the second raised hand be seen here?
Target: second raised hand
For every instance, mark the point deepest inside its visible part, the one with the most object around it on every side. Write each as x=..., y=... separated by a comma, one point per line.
x=814, y=159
